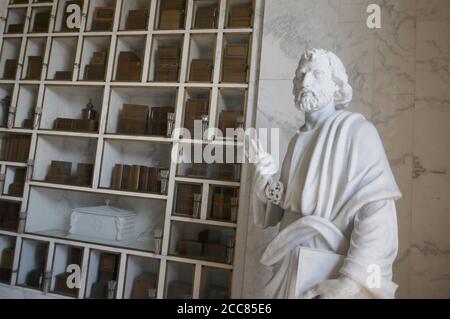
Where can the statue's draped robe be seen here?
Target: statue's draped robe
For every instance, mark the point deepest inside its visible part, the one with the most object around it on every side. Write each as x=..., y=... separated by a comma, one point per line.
x=339, y=196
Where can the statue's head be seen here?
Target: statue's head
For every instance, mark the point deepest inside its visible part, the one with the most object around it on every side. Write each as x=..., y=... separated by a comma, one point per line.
x=321, y=79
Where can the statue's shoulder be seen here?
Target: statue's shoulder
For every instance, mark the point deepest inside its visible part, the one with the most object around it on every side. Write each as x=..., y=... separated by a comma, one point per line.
x=357, y=126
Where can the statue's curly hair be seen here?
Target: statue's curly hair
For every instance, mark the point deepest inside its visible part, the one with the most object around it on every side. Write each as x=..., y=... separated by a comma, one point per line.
x=344, y=95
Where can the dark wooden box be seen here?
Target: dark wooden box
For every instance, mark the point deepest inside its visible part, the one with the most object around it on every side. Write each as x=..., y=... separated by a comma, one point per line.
x=59, y=172
x=99, y=58
x=95, y=72
x=15, y=148
x=133, y=119
x=84, y=174
x=108, y=267
x=201, y=70
x=164, y=74
x=185, y=198
x=17, y=186
x=216, y=252
x=63, y=75
x=236, y=51
x=168, y=52
x=234, y=70
x=228, y=120
x=15, y=28
x=7, y=258
x=41, y=22
x=157, y=124
x=179, y=290
x=189, y=248
x=35, y=279
x=206, y=17
x=129, y=67
x=209, y=236
x=63, y=124
x=171, y=19
x=10, y=69
x=137, y=20
x=173, y=5
x=61, y=286
x=34, y=69
x=99, y=290
x=195, y=109
x=143, y=285
x=85, y=125
x=103, y=19
x=240, y=16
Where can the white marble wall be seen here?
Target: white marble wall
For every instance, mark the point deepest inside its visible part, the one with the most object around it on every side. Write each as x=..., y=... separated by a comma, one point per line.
x=401, y=78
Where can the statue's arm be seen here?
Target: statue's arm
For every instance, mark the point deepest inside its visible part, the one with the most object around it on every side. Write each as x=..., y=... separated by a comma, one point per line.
x=267, y=192
x=373, y=247
x=367, y=270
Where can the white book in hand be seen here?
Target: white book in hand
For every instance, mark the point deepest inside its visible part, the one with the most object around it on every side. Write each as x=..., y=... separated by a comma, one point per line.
x=314, y=267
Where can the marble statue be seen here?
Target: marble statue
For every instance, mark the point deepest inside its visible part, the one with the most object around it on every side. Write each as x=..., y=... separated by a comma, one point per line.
x=336, y=191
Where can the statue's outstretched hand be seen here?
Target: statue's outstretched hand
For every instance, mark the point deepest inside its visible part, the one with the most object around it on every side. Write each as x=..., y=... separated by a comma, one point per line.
x=341, y=288
x=265, y=167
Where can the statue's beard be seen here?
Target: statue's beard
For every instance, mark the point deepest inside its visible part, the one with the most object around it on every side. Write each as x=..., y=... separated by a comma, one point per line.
x=310, y=101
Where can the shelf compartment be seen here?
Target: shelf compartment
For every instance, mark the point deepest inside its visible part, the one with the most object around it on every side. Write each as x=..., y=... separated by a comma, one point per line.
x=179, y=281
x=235, y=58
x=188, y=200
x=65, y=160
x=171, y=14
x=101, y=15
x=141, y=279
x=206, y=14
x=223, y=204
x=135, y=15
x=210, y=162
x=201, y=58
x=158, y=104
x=231, y=112
x=15, y=148
x=15, y=22
x=103, y=274
x=62, y=15
x=94, y=58
x=62, y=58
x=26, y=103
x=34, y=58
x=215, y=283
x=33, y=261
x=86, y=217
x=202, y=242
x=136, y=166
x=239, y=14
x=65, y=256
x=66, y=108
x=40, y=19
x=9, y=58
x=129, y=59
x=6, y=92
x=165, y=63
x=9, y=215
x=196, y=109
x=14, y=181
x=7, y=250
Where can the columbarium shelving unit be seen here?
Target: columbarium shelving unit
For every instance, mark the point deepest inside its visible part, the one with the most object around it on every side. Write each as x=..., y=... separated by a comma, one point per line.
x=35, y=246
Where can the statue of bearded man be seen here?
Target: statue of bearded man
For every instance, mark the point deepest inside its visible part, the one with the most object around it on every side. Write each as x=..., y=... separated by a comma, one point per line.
x=336, y=191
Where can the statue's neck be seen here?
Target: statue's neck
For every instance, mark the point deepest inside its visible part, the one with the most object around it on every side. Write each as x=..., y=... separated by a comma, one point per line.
x=315, y=119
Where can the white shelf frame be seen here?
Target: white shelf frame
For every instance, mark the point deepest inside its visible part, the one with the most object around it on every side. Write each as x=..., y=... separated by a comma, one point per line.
x=255, y=34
